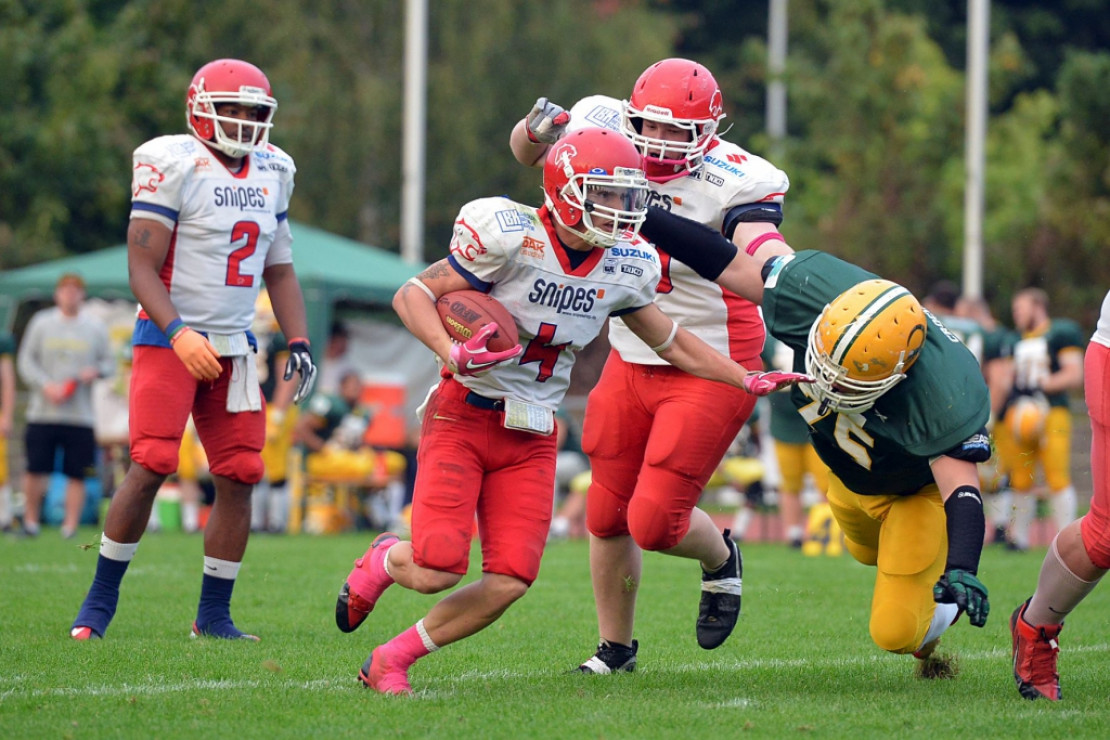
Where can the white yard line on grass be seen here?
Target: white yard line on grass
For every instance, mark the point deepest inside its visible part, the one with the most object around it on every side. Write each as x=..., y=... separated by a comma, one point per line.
x=10, y=686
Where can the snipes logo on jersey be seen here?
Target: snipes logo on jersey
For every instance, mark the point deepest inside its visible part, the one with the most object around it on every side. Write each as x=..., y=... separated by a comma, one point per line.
x=564, y=298
x=145, y=177
x=244, y=198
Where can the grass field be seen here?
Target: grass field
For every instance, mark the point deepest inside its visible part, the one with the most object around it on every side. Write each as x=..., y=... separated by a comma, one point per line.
x=800, y=663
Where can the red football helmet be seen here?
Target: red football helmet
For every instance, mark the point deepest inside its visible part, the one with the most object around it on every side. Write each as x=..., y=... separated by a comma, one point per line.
x=681, y=93
x=230, y=81
x=594, y=185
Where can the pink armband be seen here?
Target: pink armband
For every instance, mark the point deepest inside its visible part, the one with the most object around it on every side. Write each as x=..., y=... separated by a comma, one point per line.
x=756, y=243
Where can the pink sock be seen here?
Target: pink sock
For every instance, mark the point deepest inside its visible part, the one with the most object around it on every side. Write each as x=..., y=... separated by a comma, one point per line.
x=407, y=647
x=372, y=577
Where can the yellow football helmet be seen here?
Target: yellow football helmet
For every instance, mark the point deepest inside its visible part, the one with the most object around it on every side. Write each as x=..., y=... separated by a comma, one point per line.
x=862, y=344
x=1026, y=417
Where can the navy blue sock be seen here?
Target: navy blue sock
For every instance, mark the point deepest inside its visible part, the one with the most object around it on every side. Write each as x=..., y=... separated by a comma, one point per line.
x=214, y=612
x=100, y=604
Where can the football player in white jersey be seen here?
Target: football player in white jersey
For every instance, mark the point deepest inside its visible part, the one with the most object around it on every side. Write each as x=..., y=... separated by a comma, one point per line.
x=674, y=429
x=487, y=446
x=208, y=225
x=1080, y=554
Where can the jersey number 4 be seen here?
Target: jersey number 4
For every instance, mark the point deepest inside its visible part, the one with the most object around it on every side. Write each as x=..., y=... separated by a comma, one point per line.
x=541, y=350
x=242, y=230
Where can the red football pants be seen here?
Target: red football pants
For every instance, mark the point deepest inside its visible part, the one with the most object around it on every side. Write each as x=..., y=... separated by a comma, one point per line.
x=469, y=464
x=654, y=435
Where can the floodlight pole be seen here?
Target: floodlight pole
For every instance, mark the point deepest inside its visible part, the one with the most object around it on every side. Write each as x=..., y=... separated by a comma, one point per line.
x=978, y=41
x=412, y=157
x=776, y=66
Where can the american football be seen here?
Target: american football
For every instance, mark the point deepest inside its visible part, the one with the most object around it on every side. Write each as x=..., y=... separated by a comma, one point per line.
x=464, y=312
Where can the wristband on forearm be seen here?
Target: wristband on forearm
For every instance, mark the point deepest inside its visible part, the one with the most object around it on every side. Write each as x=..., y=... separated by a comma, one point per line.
x=174, y=328
x=966, y=525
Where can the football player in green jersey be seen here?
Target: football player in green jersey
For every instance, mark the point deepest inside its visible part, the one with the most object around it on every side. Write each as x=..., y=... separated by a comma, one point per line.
x=898, y=414
x=1045, y=365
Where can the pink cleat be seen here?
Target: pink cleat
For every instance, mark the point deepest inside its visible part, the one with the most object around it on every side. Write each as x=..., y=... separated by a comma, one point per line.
x=365, y=584
x=378, y=674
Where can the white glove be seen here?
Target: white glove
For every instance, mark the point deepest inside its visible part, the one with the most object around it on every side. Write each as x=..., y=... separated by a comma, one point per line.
x=547, y=122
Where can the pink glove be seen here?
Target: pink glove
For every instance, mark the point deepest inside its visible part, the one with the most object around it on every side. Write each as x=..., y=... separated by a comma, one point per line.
x=761, y=384
x=472, y=358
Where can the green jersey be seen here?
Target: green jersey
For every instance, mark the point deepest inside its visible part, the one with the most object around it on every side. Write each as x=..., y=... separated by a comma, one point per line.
x=969, y=332
x=885, y=450
x=7, y=344
x=1037, y=355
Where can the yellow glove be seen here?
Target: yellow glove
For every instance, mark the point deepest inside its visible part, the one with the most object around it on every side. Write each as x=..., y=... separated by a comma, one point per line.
x=197, y=354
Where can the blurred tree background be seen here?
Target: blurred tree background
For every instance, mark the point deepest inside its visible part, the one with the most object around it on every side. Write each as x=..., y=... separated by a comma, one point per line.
x=874, y=150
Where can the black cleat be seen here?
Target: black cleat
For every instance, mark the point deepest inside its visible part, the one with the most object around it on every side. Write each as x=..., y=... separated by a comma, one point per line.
x=720, y=599
x=611, y=657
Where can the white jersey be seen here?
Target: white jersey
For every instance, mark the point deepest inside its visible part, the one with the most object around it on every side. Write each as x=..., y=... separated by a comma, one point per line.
x=1102, y=329
x=730, y=177
x=511, y=252
x=227, y=227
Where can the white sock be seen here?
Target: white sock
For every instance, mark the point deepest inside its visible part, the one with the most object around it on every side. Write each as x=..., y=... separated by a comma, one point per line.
x=942, y=620
x=121, y=551
x=5, y=505
x=278, y=508
x=190, y=517
x=1064, y=507
x=1025, y=509
x=221, y=568
x=741, y=522
x=1000, y=507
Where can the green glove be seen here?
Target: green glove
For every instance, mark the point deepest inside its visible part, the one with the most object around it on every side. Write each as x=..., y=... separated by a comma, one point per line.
x=967, y=592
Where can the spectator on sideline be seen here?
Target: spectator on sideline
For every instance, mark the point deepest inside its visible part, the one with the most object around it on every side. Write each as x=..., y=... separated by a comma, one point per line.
x=337, y=360
x=63, y=351
x=793, y=450
x=1079, y=555
x=192, y=341
x=7, y=412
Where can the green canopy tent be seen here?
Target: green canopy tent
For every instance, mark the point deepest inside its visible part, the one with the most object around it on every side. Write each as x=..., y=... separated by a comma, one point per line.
x=331, y=268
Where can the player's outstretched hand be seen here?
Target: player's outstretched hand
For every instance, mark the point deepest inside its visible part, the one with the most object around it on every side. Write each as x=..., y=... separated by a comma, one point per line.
x=761, y=384
x=300, y=361
x=962, y=588
x=197, y=354
x=547, y=122
x=473, y=358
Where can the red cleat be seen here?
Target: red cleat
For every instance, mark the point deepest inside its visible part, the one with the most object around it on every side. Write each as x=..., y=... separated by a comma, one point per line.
x=365, y=585
x=378, y=674
x=1035, y=649
x=84, y=633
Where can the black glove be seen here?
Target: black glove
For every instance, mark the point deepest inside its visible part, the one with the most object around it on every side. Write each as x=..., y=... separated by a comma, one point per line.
x=300, y=361
x=962, y=588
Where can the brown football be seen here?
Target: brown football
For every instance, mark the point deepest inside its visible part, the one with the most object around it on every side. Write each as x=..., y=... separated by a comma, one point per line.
x=465, y=312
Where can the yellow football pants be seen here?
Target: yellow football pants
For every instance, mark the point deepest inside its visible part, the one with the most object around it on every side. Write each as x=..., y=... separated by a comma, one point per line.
x=907, y=539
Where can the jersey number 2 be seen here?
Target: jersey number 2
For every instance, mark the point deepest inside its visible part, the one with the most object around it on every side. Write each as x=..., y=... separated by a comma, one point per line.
x=242, y=230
